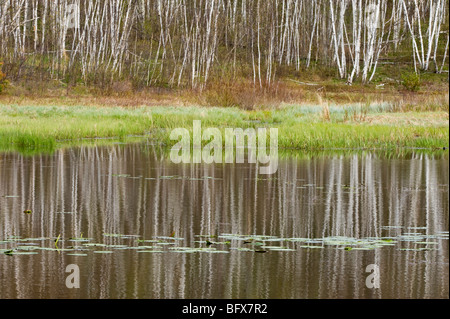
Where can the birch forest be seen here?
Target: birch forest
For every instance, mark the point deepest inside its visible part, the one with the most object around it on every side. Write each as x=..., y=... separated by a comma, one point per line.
x=187, y=43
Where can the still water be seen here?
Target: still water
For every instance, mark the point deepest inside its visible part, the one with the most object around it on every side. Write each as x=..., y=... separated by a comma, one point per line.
x=355, y=210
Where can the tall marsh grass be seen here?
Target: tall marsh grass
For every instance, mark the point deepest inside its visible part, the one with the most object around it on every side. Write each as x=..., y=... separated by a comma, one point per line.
x=300, y=127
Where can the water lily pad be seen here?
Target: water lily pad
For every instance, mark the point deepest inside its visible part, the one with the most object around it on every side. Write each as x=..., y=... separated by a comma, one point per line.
x=410, y=238
x=215, y=251
x=241, y=249
x=387, y=244
x=81, y=255
x=103, y=252
x=416, y=249
x=272, y=247
x=392, y=227
x=55, y=249
x=150, y=251
x=147, y=241
x=314, y=241
x=426, y=243
x=275, y=239
x=27, y=247
x=299, y=239
x=24, y=253
x=281, y=249
x=14, y=239
x=94, y=245
x=256, y=243
x=169, y=238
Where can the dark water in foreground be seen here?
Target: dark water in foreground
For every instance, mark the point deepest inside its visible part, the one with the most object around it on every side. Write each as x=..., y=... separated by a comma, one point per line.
x=129, y=190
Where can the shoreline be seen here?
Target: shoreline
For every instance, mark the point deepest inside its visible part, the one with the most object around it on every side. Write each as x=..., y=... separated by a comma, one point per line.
x=301, y=127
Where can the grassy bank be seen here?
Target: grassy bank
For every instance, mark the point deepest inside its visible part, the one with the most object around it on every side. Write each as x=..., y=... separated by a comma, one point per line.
x=376, y=126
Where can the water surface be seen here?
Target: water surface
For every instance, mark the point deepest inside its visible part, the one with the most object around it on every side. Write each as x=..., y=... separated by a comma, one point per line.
x=101, y=193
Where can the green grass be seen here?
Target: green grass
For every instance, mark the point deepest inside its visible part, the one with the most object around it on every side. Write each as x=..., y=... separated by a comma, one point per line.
x=31, y=129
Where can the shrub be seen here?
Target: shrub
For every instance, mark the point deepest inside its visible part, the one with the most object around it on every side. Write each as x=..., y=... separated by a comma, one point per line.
x=411, y=81
x=3, y=81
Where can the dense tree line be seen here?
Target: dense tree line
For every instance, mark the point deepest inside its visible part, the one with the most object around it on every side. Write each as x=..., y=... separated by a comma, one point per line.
x=186, y=42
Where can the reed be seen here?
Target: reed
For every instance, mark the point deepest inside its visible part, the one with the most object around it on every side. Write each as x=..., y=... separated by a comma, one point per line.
x=300, y=127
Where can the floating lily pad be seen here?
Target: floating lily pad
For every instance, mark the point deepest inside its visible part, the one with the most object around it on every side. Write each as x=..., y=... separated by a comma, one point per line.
x=94, y=245
x=27, y=247
x=241, y=249
x=55, y=249
x=299, y=239
x=169, y=238
x=275, y=239
x=147, y=241
x=281, y=249
x=23, y=253
x=120, y=235
x=417, y=249
x=392, y=227
x=81, y=255
x=314, y=241
x=387, y=244
x=150, y=251
x=426, y=243
x=103, y=252
x=256, y=243
x=215, y=251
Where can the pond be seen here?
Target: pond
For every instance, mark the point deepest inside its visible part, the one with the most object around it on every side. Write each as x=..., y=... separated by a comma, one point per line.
x=138, y=226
